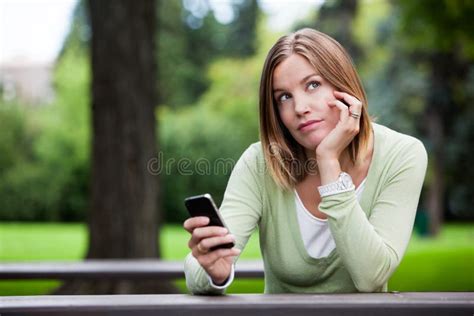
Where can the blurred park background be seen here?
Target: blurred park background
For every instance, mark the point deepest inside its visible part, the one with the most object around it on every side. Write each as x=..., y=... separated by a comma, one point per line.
x=416, y=60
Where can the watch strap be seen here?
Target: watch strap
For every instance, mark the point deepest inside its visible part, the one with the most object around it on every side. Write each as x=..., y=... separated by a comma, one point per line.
x=342, y=184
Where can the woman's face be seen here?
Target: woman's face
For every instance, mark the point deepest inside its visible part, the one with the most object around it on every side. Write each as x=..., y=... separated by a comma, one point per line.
x=302, y=96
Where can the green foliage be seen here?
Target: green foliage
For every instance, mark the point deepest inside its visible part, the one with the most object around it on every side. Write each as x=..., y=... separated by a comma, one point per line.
x=201, y=144
x=18, y=176
x=49, y=178
x=336, y=18
x=29, y=192
x=45, y=166
x=63, y=146
x=179, y=79
x=438, y=25
x=241, y=40
x=79, y=34
x=211, y=104
x=15, y=141
x=430, y=66
x=190, y=39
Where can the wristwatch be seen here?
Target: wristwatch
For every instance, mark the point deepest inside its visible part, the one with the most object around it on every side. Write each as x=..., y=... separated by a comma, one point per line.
x=342, y=184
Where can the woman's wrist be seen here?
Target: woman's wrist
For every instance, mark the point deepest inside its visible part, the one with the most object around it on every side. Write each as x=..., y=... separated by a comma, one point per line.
x=219, y=282
x=224, y=284
x=329, y=170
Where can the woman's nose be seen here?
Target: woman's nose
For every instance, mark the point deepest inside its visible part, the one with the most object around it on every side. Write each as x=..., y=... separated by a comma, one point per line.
x=301, y=105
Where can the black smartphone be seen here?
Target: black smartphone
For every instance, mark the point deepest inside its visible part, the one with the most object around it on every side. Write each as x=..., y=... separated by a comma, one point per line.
x=203, y=205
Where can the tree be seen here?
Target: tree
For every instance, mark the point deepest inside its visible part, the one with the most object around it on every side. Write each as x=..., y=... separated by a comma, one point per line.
x=336, y=17
x=437, y=35
x=424, y=88
x=241, y=40
x=123, y=218
x=190, y=38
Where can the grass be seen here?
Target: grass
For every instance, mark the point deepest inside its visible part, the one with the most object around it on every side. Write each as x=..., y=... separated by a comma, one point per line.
x=40, y=241
x=444, y=263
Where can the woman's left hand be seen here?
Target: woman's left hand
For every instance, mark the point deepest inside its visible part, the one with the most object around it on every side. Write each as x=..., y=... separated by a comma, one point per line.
x=346, y=129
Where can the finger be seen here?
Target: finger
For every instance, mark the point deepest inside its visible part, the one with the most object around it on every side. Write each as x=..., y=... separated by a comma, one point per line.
x=206, y=232
x=344, y=110
x=209, y=243
x=355, y=115
x=349, y=99
x=356, y=109
x=209, y=231
x=210, y=258
x=355, y=105
x=201, y=249
x=206, y=257
x=192, y=223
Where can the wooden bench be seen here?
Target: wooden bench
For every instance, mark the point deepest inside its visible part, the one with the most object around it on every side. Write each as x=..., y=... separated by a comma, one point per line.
x=112, y=269
x=386, y=304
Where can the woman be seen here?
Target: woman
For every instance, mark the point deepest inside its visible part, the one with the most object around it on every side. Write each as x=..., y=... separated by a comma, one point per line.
x=334, y=195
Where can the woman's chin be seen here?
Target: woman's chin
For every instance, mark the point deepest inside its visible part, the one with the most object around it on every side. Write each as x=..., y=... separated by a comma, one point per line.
x=312, y=143
x=310, y=146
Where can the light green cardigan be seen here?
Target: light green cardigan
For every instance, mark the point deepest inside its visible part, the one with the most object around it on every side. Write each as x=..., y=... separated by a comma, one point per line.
x=371, y=236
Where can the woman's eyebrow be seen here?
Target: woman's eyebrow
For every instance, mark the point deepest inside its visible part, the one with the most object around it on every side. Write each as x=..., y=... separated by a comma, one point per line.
x=277, y=90
x=301, y=81
x=308, y=76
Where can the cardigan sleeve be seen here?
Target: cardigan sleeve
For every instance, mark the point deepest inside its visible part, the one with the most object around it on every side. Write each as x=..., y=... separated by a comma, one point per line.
x=241, y=210
x=372, y=248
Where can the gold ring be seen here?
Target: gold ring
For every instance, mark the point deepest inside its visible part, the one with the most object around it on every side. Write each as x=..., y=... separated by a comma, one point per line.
x=200, y=249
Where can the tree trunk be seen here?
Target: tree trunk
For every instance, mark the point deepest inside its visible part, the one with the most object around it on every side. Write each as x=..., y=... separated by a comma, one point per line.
x=436, y=190
x=439, y=110
x=123, y=218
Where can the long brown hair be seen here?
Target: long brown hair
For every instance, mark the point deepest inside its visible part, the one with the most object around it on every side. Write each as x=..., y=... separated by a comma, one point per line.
x=285, y=157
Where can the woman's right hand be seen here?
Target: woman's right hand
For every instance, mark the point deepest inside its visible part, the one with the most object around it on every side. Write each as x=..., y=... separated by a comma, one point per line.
x=218, y=262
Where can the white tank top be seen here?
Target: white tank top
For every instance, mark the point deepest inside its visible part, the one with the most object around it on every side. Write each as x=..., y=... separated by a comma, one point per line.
x=315, y=232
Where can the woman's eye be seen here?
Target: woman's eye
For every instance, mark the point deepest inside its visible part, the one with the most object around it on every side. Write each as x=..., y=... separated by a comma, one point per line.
x=313, y=85
x=283, y=97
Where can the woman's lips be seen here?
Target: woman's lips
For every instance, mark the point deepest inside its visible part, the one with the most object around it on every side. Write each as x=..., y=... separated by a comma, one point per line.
x=308, y=125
